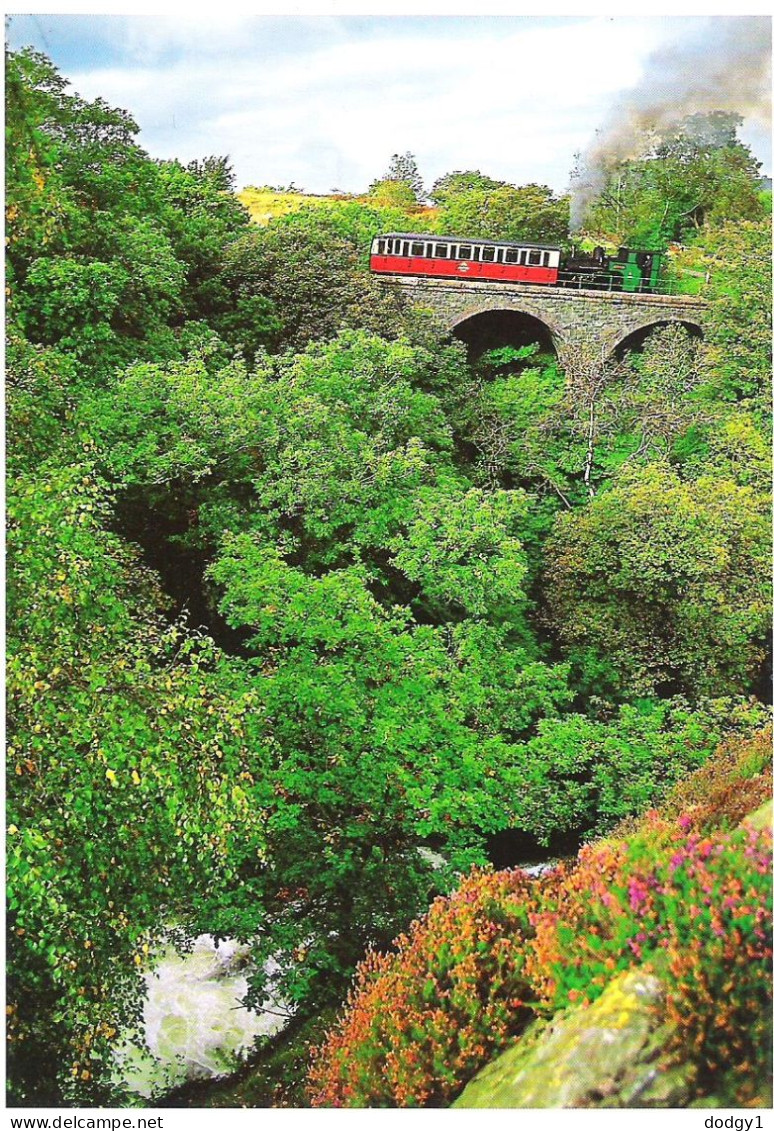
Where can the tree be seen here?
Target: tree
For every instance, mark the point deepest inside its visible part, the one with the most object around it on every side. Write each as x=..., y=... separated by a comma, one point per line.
x=134, y=779
x=392, y=194
x=311, y=266
x=108, y=251
x=697, y=172
x=531, y=212
x=453, y=184
x=660, y=586
x=533, y=430
x=202, y=217
x=403, y=167
x=738, y=318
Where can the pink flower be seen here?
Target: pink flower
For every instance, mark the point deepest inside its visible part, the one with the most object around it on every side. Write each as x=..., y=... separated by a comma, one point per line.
x=638, y=893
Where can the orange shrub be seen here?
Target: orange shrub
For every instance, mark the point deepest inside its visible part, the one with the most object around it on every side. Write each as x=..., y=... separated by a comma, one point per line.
x=421, y=1020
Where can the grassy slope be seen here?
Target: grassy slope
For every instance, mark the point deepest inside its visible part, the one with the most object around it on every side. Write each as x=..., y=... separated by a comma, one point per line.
x=265, y=204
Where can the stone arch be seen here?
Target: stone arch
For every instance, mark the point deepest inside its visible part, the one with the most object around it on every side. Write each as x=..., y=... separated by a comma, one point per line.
x=584, y=328
x=497, y=323
x=636, y=333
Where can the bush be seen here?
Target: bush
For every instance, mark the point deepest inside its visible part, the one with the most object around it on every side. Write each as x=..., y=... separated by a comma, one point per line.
x=735, y=781
x=420, y=1021
x=660, y=586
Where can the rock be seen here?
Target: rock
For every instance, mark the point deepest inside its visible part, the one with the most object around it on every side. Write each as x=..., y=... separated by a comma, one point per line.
x=434, y=859
x=537, y=870
x=609, y=1054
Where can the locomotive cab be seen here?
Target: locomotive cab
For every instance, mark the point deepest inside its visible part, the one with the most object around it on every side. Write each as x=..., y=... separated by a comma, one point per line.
x=637, y=270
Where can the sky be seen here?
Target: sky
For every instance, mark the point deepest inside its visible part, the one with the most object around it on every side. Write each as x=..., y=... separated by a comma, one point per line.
x=323, y=101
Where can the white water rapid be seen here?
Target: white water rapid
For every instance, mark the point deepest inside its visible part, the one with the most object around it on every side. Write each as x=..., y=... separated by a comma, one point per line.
x=195, y=1026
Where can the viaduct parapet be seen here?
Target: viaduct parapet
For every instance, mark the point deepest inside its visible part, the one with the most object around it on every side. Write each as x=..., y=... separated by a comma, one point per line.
x=586, y=326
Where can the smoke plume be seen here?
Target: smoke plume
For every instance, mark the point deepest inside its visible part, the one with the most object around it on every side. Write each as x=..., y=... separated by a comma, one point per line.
x=726, y=66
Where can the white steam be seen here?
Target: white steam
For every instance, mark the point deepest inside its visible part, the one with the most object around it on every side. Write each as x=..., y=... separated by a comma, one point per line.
x=725, y=66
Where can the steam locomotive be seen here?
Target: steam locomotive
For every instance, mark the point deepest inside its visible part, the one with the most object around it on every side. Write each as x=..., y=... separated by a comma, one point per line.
x=446, y=257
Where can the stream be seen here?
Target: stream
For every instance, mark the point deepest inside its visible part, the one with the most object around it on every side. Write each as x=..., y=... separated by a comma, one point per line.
x=195, y=1028
x=194, y=1024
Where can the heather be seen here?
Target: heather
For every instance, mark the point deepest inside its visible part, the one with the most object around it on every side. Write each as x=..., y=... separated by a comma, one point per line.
x=686, y=894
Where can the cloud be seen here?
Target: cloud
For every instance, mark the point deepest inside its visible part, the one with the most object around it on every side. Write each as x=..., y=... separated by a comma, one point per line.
x=325, y=101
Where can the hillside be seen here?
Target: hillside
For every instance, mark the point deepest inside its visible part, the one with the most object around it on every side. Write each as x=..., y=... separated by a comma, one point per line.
x=266, y=204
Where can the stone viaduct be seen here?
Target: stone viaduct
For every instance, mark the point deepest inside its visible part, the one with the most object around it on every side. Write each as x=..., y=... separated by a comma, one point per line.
x=585, y=326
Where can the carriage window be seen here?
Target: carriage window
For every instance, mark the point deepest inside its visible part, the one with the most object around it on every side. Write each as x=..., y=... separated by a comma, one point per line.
x=417, y=249
x=546, y=257
x=441, y=251
x=381, y=247
x=512, y=255
x=534, y=258
x=475, y=255
x=487, y=254
x=465, y=251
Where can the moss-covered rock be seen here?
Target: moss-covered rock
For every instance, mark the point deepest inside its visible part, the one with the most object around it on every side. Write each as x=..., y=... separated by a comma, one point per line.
x=610, y=1054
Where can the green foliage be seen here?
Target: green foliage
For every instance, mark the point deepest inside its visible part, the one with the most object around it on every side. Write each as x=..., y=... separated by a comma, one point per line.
x=108, y=251
x=392, y=194
x=456, y=183
x=457, y=547
x=530, y=212
x=384, y=736
x=384, y=601
x=583, y=773
x=38, y=403
x=733, y=783
x=130, y=782
x=202, y=217
x=534, y=430
x=311, y=267
x=660, y=584
x=403, y=169
x=738, y=321
x=329, y=442
x=696, y=173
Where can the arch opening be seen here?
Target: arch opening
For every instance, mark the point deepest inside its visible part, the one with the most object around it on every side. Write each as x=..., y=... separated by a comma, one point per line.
x=493, y=329
x=635, y=341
